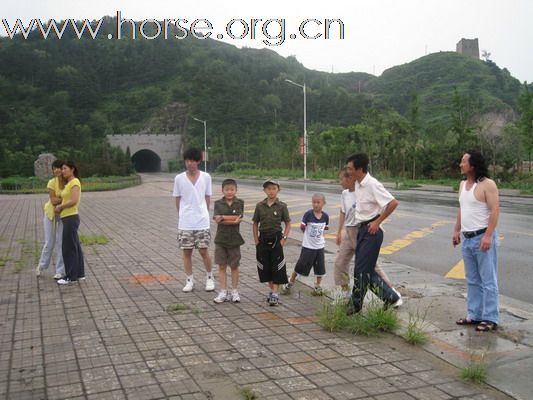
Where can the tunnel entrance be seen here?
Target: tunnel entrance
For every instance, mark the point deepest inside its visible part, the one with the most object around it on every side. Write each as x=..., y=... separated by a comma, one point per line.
x=146, y=161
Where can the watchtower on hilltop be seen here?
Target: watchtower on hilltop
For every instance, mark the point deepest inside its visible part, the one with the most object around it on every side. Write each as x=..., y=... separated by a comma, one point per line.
x=468, y=47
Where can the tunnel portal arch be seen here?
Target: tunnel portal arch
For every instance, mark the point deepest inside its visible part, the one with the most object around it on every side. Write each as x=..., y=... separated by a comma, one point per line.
x=146, y=161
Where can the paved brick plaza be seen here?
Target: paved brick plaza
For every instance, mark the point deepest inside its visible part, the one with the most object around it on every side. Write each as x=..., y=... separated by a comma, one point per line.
x=111, y=337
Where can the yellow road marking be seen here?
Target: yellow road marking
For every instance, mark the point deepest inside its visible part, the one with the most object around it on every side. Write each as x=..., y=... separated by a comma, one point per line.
x=458, y=271
x=408, y=239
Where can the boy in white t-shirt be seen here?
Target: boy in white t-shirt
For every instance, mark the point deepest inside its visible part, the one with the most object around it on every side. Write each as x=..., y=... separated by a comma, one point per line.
x=314, y=223
x=192, y=190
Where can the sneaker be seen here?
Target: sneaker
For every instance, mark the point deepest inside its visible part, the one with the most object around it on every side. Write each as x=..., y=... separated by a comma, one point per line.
x=58, y=276
x=188, y=286
x=398, y=302
x=274, y=300
x=235, y=298
x=38, y=271
x=318, y=291
x=268, y=297
x=209, y=285
x=65, y=281
x=222, y=297
x=286, y=289
x=81, y=278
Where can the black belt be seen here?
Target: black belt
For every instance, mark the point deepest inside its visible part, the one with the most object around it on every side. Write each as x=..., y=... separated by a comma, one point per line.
x=364, y=223
x=472, y=234
x=269, y=238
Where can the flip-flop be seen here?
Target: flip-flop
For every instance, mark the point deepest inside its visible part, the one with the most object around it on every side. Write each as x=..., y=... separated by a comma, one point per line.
x=486, y=326
x=466, y=321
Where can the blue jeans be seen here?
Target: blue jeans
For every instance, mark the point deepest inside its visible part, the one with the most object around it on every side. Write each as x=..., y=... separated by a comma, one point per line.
x=481, y=270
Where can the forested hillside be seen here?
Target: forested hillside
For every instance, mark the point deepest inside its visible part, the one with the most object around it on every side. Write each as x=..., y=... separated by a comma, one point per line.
x=64, y=96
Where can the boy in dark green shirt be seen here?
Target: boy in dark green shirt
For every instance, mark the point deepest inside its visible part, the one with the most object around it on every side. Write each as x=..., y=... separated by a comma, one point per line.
x=269, y=239
x=228, y=214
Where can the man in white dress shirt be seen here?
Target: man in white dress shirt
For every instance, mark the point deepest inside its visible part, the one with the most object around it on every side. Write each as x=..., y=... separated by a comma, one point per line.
x=374, y=205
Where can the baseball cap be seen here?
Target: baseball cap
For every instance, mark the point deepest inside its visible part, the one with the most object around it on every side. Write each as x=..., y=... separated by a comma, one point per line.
x=270, y=181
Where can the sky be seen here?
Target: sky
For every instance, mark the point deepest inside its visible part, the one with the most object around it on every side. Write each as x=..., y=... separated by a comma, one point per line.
x=378, y=34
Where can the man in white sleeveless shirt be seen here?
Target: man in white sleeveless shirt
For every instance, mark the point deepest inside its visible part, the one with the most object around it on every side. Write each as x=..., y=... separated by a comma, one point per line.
x=476, y=223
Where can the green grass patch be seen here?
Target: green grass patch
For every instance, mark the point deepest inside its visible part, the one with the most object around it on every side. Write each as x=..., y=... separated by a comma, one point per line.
x=20, y=184
x=248, y=394
x=475, y=372
x=286, y=173
x=373, y=320
x=91, y=240
x=4, y=260
x=19, y=266
x=29, y=254
x=415, y=333
x=180, y=308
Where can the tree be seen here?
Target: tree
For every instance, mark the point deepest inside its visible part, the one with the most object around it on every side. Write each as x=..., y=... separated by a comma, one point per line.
x=414, y=121
x=525, y=123
x=463, y=126
x=491, y=131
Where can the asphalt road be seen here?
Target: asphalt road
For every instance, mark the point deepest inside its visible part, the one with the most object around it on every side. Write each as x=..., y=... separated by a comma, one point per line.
x=419, y=232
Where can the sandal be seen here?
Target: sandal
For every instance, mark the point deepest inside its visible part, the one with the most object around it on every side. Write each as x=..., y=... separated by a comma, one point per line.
x=466, y=321
x=486, y=326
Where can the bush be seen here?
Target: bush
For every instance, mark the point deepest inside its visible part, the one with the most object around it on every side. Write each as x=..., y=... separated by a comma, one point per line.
x=176, y=165
x=233, y=166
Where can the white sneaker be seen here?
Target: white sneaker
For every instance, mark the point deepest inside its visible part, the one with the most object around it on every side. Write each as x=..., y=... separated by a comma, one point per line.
x=235, y=298
x=65, y=281
x=188, y=286
x=58, y=276
x=398, y=302
x=222, y=297
x=38, y=271
x=209, y=285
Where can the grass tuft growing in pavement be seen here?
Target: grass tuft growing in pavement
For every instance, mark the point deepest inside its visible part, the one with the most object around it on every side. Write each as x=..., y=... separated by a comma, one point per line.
x=177, y=307
x=248, y=394
x=415, y=333
x=475, y=371
x=332, y=316
x=4, y=260
x=90, y=240
x=181, y=308
x=373, y=320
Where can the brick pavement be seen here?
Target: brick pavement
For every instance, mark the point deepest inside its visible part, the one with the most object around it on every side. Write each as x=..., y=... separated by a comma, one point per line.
x=111, y=337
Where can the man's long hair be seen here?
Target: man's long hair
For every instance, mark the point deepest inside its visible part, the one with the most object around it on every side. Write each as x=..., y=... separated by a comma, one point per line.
x=477, y=161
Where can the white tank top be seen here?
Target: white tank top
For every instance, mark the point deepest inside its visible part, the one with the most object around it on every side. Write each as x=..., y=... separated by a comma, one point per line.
x=474, y=213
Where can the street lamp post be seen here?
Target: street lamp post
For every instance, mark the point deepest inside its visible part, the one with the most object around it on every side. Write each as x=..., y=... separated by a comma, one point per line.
x=205, y=141
x=305, y=128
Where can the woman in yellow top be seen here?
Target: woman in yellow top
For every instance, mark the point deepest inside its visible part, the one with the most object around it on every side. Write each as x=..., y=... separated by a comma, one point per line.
x=68, y=209
x=53, y=228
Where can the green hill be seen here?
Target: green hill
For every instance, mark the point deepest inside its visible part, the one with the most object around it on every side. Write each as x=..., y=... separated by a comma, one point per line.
x=435, y=77
x=64, y=96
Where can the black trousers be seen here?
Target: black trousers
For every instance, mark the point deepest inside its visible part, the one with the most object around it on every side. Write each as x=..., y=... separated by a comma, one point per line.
x=72, y=252
x=366, y=256
x=271, y=260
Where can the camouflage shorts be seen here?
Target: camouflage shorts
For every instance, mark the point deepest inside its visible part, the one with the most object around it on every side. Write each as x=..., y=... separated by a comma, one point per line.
x=194, y=239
